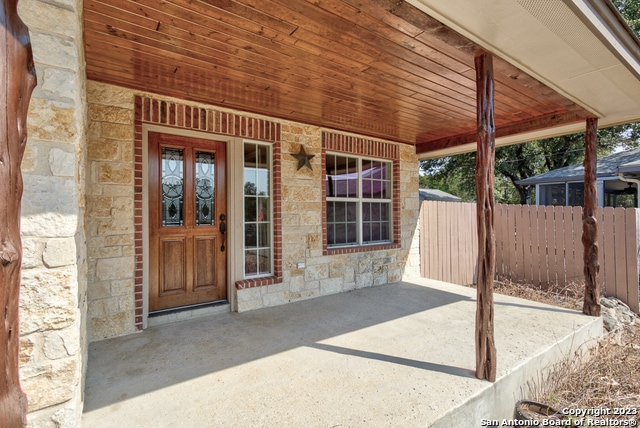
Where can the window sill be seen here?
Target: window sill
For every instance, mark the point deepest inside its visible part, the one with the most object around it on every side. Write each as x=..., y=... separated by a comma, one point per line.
x=359, y=249
x=257, y=282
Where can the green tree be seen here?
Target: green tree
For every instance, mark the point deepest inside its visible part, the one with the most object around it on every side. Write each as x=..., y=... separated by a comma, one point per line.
x=630, y=11
x=456, y=174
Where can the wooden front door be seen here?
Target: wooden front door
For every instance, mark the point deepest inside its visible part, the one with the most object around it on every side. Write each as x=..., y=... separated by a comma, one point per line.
x=187, y=221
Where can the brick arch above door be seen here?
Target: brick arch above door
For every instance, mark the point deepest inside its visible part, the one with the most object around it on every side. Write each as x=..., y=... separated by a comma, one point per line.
x=149, y=110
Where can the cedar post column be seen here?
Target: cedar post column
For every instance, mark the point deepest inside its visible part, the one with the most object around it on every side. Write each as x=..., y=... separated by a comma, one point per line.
x=18, y=78
x=591, y=304
x=485, y=159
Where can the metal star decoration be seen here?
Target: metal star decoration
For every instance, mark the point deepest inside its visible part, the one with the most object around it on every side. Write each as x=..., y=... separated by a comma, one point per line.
x=303, y=158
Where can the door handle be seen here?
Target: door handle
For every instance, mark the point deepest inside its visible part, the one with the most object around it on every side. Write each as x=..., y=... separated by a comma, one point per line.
x=223, y=230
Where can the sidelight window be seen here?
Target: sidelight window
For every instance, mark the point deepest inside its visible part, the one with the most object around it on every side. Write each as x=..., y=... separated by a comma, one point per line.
x=258, y=254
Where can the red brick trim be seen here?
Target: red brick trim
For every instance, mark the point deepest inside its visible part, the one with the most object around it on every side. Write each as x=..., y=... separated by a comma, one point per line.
x=180, y=115
x=348, y=144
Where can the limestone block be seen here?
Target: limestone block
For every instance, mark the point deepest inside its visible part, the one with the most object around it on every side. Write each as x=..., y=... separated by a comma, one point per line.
x=102, y=149
x=364, y=280
x=54, y=50
x=114, y=173
x=59, y=252
x=128, y=250
x=248, y=294
x=62, y=343
x=115, y=268
x=349, y=275
x=27, y=349
x=123, y=206
x=311, y=218
x=312, y=285
x=98, y=290
x=330, y=286
x=316, y=272
x=126, y=303
x=296, y=284
x=119, y=240
x=62, y=164
x=101, y=93
x=32, y=249
x=48, y=299
x=49, y=206
x=290, y=220
x=274, y=299
x=348, y=286
x=116, y=226
x=314, y=240
x=117, y=190
x=394, y=275
x=380, y=279
x=42, y=16
x=365, y=266
x=103, y=307
x=94, y=130
x=111, y=325
x=30, y=158
x=51, y=121
x=276, y=288
x=250, y=305
x=111, y=114
x=122, y=287
x=99, y=206
x=58, y=84
x=104, y=252
x=56, y=383
x=301, y=194
x=117, y=131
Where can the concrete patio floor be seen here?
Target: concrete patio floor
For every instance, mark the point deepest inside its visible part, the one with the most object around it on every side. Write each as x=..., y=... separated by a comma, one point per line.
x=399, y=355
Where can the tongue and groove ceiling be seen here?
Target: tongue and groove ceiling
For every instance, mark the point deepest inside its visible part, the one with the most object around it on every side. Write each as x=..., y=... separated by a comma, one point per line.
x=381, y=68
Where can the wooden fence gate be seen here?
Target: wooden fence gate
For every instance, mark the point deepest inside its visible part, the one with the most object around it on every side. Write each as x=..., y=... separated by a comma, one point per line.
x=536, y=244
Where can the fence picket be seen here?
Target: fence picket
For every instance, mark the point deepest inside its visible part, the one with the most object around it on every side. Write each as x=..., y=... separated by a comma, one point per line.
x=601, y=234
x=424, y=249
x=609, y=252
x=535, y=245
x=634, y=290
x=560, y=249
x=538, y=244
x=620, y=244
x=569, y=243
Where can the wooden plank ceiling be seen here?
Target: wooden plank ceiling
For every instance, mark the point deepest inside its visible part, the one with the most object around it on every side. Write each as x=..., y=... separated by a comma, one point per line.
x=375, y=67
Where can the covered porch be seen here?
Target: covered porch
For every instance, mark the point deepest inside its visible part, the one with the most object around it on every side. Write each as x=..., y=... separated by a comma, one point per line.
x=395, y=355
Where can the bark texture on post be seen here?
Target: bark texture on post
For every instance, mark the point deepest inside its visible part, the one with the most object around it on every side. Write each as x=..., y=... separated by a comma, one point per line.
x=18, y=77
x=485, y=160
x=589, y=223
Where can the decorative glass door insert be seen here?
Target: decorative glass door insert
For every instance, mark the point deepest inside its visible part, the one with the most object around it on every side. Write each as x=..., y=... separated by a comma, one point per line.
x=187, y=208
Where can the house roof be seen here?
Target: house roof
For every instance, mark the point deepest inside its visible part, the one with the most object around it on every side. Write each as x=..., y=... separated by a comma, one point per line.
x=402, y=71
x=437, y=195
x=608, y=166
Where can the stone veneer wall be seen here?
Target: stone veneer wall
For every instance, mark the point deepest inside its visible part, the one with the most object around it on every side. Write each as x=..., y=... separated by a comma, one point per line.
x=110, y=211
x=333, y=271
x=113, y=210
x=53, y=338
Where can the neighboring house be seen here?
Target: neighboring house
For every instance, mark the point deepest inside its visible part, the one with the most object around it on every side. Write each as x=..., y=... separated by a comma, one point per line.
x=437, y=195
x=617, y=182
x=186, y=158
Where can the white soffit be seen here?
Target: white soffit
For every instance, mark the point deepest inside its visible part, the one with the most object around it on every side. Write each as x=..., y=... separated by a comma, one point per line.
x=579, y=48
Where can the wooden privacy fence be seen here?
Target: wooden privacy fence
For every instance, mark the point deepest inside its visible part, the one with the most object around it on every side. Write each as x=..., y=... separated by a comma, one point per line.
x=536, y=244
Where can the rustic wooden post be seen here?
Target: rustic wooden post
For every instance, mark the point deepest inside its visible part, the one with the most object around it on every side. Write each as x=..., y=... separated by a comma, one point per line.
x=591, y=304
x=18, y=78
x=485, y=159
